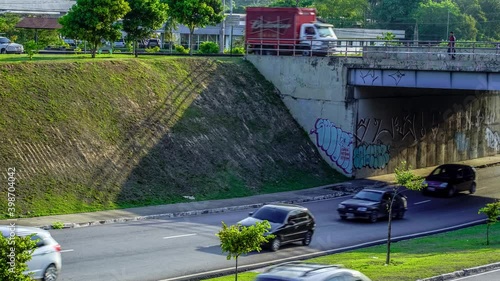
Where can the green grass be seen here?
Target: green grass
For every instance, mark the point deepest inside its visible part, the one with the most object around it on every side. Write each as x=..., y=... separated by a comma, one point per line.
x=117, y=131
x=415, y=258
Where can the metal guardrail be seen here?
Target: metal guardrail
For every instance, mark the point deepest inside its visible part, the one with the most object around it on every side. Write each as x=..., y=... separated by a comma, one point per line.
x=374, y=48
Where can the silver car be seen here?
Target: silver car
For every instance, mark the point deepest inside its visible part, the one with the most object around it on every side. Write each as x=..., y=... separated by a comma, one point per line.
x=45, y=263
x=8, y=47
x=302, y=271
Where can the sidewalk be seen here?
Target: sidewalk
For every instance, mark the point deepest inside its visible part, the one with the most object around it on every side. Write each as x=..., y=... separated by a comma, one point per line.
x=217, y=206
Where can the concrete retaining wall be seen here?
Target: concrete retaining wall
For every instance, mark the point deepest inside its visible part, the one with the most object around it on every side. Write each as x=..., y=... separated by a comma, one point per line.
x=366, y=131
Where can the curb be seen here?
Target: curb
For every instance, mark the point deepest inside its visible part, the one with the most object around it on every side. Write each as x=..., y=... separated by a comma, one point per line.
x=464, y=272
x=335, y=194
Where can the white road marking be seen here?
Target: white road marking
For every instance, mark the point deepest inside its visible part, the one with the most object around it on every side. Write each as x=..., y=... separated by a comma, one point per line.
x=422, y=202
x=178, y=236
x=65, y=251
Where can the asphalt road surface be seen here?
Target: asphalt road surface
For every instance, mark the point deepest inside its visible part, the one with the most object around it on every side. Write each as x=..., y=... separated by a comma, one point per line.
x=173, y=248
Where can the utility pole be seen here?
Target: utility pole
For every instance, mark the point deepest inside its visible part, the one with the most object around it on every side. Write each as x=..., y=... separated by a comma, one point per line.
x=222, y=29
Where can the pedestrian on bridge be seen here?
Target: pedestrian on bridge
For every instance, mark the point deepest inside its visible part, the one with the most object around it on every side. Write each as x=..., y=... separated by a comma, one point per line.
x=451, y=45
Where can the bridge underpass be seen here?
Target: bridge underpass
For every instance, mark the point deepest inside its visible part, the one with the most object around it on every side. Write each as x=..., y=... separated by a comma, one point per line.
x=367, y=127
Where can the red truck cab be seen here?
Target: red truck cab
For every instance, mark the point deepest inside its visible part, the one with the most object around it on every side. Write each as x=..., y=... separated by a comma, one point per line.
x=287, y=31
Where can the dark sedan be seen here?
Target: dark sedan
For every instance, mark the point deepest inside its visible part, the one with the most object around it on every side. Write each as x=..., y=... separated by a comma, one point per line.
x=289, y=223
x=373, y=204
x=449, y=179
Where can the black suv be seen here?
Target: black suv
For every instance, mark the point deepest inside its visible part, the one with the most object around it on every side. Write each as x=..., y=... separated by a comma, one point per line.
x=373, y=204
x=449, y=179
x=289, y=223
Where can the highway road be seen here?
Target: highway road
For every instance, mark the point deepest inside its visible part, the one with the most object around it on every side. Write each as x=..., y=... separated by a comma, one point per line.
x=493, y=275
x=172, y=248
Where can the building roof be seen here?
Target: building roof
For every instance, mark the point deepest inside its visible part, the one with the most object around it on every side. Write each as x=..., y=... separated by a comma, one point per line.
x=36, y=6
x=39, y=23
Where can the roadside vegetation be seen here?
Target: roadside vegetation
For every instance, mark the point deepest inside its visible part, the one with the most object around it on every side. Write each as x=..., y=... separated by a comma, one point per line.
x=114, y=132
x=417, y=258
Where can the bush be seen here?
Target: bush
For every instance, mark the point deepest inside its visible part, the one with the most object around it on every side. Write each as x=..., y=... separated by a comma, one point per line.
x=180, y=49
x=15, y=252
x=31, y=48
x=208, y=48
x=155, y=49
x=235, y=51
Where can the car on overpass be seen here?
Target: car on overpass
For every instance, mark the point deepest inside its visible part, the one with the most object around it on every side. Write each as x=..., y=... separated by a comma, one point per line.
x=289, y=223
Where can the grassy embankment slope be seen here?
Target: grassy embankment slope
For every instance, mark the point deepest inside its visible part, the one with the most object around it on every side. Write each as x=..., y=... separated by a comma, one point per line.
x=86, y=135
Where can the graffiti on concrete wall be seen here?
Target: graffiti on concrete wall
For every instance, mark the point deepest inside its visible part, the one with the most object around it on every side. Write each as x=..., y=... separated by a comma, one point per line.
x=335, y=143
x=404, y=127
x=461, y=141
x=374, y=156
x=492, y=139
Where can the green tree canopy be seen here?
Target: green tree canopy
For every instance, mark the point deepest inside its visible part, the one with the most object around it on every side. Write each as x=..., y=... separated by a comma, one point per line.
x=144, y=18
x=237, y=240
x=395, y=14
x=342, y=13
x=94, y=21
x=436, y=19
x=15, y=252
x=196, y=13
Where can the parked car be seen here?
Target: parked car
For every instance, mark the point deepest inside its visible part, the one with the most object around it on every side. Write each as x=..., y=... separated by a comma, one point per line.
x=295, y=271
x=120, y=43
x=45, y=263
x=71, y=42
x=449, y=179
x=9, y=47
x=153, y=42
x=373, y=204
x=289, y=223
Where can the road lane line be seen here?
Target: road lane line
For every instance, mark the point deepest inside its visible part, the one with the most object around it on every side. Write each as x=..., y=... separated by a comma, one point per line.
x=68, y=250
x=422, y=202
x=178, y=236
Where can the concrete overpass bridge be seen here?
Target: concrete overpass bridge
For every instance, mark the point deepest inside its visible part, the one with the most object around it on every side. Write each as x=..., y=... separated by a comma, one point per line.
x=366, y=114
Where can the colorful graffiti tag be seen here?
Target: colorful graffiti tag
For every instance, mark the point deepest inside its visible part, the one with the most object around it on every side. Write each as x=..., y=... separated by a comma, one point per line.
x=492, y=139
x=335, y=142
x=374, y=156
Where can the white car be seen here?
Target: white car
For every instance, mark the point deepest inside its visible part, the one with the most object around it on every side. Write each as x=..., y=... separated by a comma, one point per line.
x=45, y=263
x=8, y=47
x=302, y=271
x=120, y=43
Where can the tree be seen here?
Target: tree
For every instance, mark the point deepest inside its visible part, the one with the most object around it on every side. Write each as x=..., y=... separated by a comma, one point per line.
x=94, y=21
x=437, y=19
x=404, y=178
x=342, y=13
x=15, y=252
x=144, y=18
x=490, y=27
x=196, y=13
x=492, y=211
x=393, y=14
x=237, y=240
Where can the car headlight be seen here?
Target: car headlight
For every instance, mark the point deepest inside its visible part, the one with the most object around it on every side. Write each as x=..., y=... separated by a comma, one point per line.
x=444, y=184
x=341, y=206
x=362, y=209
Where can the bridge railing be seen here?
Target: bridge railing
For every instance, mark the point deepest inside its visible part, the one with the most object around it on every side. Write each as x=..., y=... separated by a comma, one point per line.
x=393, y=49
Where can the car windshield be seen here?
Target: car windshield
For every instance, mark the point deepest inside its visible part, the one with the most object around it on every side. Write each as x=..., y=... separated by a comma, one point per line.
x=271, y=214
x=4, y=40
x=444, y=172
x=368, y=195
